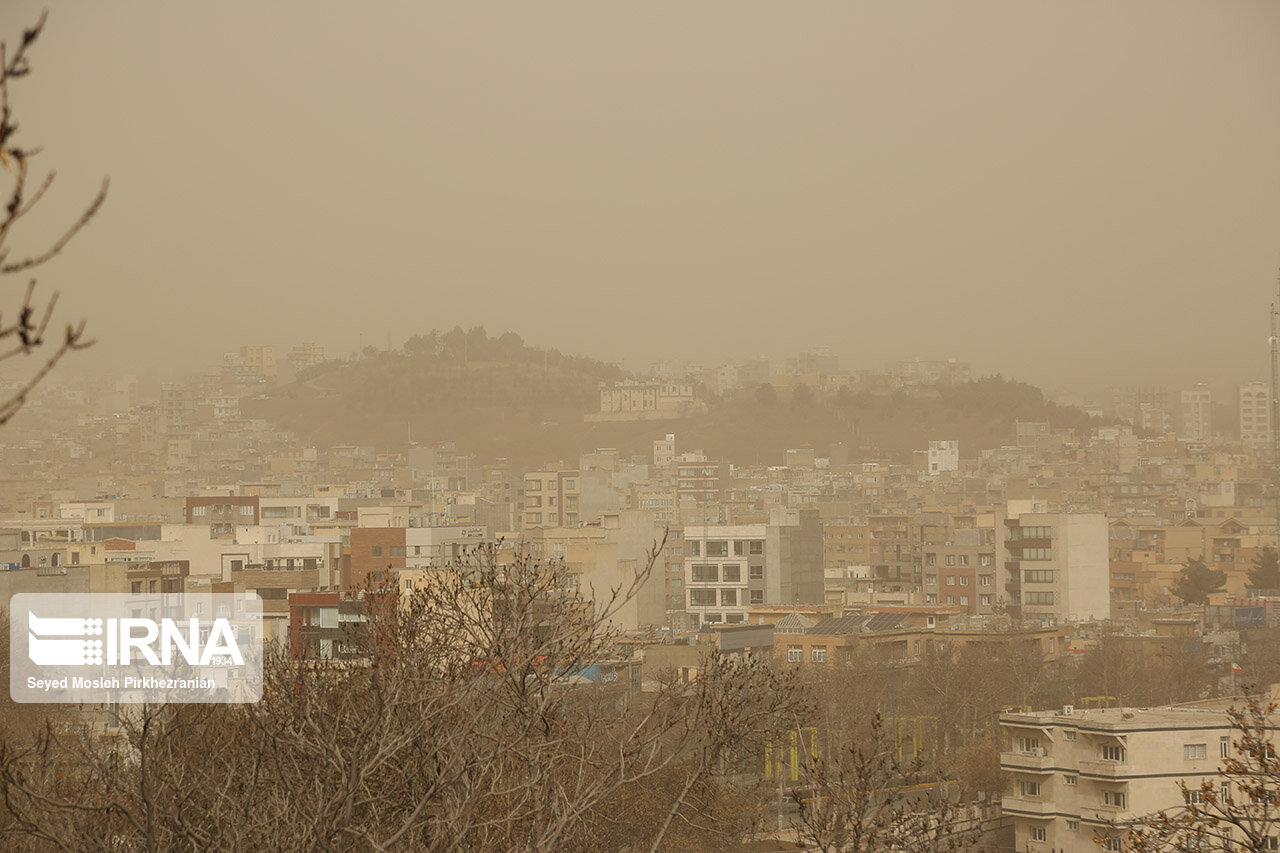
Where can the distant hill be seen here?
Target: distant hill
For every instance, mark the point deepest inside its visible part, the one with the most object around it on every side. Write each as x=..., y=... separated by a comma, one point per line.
x=460, y=385
x=499, y=397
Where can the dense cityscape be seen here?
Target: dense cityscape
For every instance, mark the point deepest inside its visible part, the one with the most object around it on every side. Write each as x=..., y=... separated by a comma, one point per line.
x=715, y=428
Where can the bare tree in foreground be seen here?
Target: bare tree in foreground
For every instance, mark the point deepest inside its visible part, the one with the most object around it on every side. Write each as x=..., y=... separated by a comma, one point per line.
x=23, y=328
x=865, y=798
x=465, y=724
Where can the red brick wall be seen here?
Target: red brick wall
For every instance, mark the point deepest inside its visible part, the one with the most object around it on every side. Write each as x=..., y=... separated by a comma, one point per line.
x=364, y=541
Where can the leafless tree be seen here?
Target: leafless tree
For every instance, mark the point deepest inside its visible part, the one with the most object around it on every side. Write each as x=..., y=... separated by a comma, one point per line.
x=864, y=798
x=465, y=722
x=23, y=330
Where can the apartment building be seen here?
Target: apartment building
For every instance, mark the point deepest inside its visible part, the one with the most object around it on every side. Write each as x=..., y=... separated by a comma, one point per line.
x=1056, y=566
x=1196, y=405
x=551, y=499
x=943, y=456
x=1255, y=416
x=962, y=572
x=1073, y=773
x=728, y=568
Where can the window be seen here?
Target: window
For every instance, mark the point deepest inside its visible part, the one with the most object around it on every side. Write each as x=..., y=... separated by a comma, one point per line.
x=1069, y=734
x=930, y=580
x=1193, y=751
x=1029, y=789
x=718, y=549
x=931, y=559
x=151, y=586
x=1115, y=799
x=1224, y=793
x=739, y=547
x=964, y=580
x=964, y=559
x=984, y=580
x=136, y=587
x=247, y=509
x=985, y=559
x=951, y=599
x=1193, y=797
x=964, y=601
x=819, y=654
x=1112, y=843
x=951, y=580
x=710, y=618
x=795, y=654
x=984, y=600
x=376, y=551
x=702, y=597
x=1069, y=779
x=1029, y=745
x=1224, y=746
x=704, y=572
x=1038, y=576
x=756, y=572
x=1113, y=753
x=691, y=547
x=1038, y=833
x=397, y=550
x=1036, y=554
x=199, y=510
x=729, y=597
x=1073, y=825
x=734, y=618
x=756, y=547
x=571, y=484
x=1037, y=598
x=757, y=596
x=951, y=559
x=732, y=573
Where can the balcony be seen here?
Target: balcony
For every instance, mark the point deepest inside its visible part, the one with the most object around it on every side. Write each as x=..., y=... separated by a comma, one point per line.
x=1030, y=761
x=1105, y=769
x=1029, y=805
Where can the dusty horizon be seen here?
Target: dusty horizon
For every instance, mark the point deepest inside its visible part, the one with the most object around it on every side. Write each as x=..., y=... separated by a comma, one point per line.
x=1076, y=195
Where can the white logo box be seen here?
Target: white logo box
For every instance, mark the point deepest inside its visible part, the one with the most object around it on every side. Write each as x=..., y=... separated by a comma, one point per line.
x=135, y=648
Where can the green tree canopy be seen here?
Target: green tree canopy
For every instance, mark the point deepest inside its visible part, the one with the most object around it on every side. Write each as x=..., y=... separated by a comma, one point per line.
x=1265, y=573
x=1197, y=581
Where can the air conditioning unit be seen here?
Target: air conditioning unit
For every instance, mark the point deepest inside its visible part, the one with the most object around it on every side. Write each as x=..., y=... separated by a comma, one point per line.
x=1067, y=710
x=1038, y=751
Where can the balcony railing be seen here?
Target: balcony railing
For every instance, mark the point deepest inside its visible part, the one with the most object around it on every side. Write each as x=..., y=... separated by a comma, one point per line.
x=1026, y=761
x=1108, y=769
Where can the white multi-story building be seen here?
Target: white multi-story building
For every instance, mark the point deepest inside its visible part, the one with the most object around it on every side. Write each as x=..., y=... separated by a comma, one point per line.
x=1074, y=774
x=728, y=568
x=1058, y=565
x=944, y=456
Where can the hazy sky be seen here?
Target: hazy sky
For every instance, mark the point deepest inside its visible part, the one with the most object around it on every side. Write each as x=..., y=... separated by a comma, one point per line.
x=1055, y=190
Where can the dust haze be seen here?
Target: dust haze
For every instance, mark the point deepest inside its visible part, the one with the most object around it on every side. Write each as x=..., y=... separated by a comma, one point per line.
x=1070, y=193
